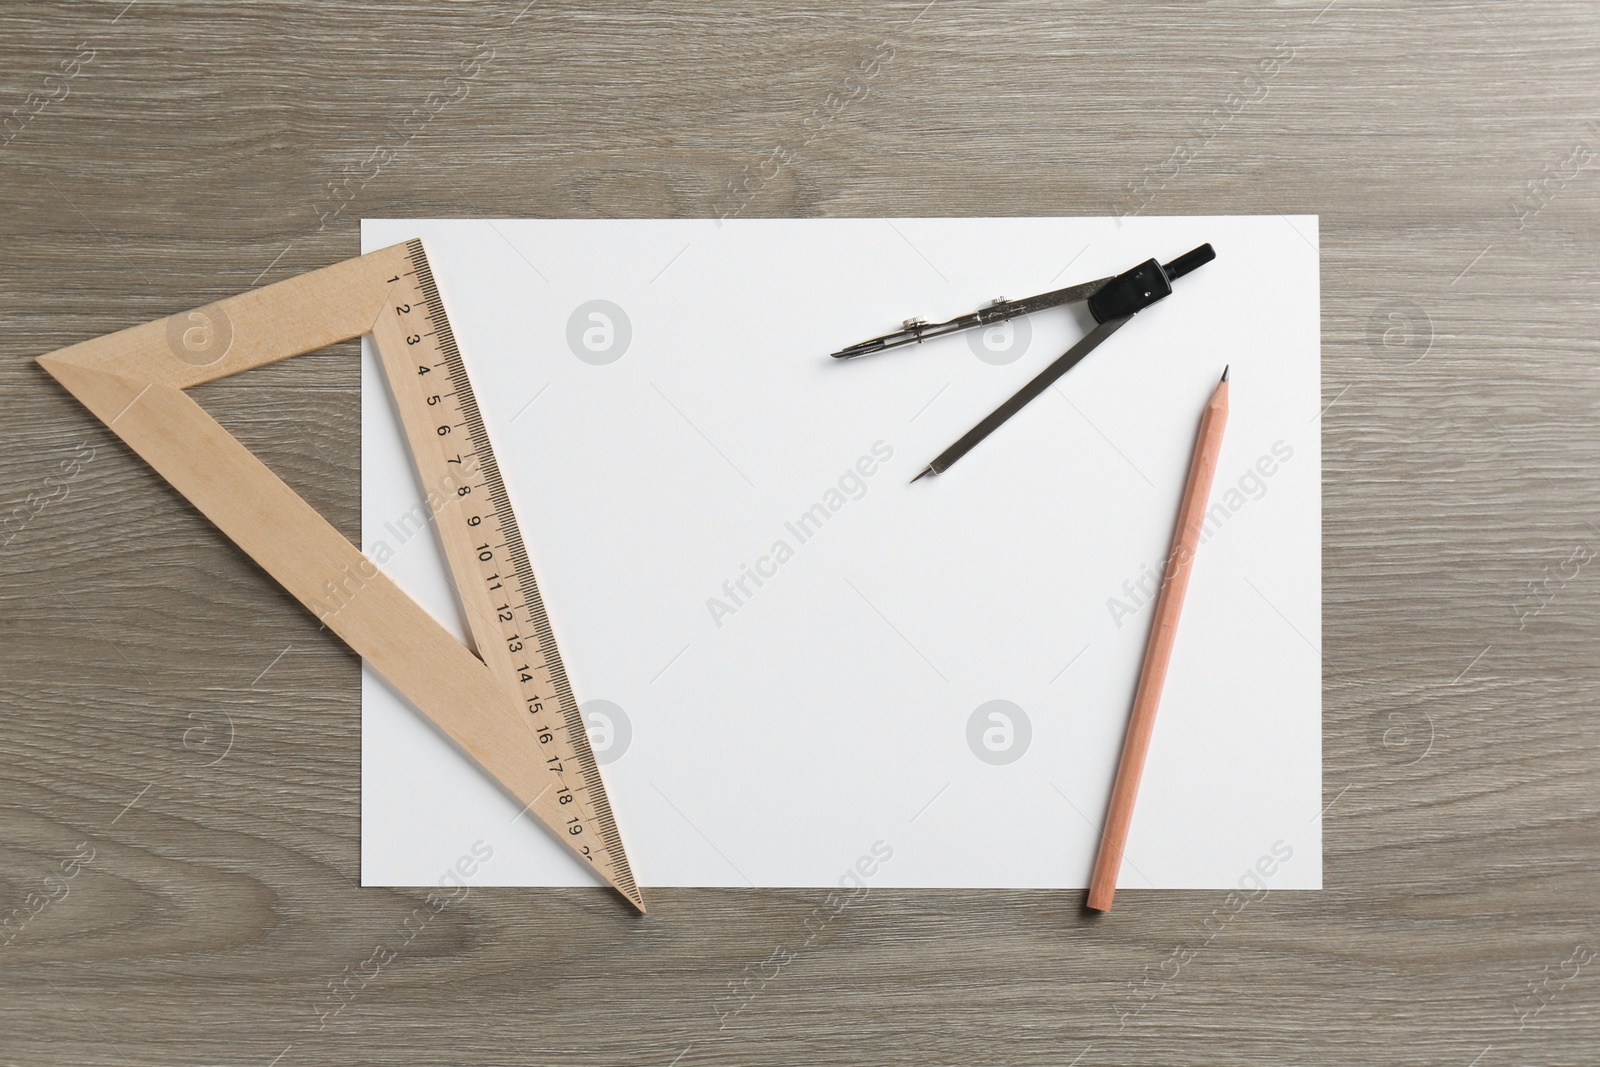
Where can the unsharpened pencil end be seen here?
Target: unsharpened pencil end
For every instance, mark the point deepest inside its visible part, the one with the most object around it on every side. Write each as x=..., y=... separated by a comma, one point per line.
x=924, y=474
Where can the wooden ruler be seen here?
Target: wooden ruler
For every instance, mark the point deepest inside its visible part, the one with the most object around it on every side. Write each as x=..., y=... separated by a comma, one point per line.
x=509, y=706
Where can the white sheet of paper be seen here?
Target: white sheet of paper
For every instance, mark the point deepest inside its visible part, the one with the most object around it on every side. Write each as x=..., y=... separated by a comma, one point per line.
x=787, y=654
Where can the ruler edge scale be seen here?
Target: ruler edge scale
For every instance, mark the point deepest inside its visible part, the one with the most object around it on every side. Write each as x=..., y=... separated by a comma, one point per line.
x=477, y=605
x=134, y=382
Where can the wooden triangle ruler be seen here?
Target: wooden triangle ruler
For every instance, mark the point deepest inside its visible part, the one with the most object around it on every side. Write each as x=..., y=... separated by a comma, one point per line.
x=510, y=706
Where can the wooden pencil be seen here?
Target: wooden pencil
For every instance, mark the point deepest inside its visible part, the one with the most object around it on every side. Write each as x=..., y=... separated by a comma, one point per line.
x=1158, y=652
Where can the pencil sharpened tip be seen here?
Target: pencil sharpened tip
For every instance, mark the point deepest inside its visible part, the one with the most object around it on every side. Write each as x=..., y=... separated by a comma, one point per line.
x=1225, y=372
x=924, y=474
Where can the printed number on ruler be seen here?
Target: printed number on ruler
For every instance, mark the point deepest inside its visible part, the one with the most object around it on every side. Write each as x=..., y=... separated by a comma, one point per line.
x=530, y=656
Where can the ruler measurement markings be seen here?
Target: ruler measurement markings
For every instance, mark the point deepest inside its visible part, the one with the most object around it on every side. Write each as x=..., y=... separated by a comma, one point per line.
x=594, y=815
x=476, y=430
x=463, y=692
x=574, y=726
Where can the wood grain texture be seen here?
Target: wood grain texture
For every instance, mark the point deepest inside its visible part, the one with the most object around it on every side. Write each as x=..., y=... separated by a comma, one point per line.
x=168, y=708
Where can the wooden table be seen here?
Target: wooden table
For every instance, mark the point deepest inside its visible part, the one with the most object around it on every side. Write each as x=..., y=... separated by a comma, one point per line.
x=180, y=749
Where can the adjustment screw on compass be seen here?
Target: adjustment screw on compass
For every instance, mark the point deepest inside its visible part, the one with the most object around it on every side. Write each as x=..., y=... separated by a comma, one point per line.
x=1001, y=343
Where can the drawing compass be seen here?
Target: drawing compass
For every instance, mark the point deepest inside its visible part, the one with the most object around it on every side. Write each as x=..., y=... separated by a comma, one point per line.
x=1112, y=302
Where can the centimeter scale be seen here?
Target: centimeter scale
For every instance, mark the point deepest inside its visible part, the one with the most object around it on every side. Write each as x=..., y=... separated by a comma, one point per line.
x=509, y=706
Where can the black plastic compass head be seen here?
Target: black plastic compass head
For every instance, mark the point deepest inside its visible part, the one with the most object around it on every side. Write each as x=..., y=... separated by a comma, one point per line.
x=1137, y=289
